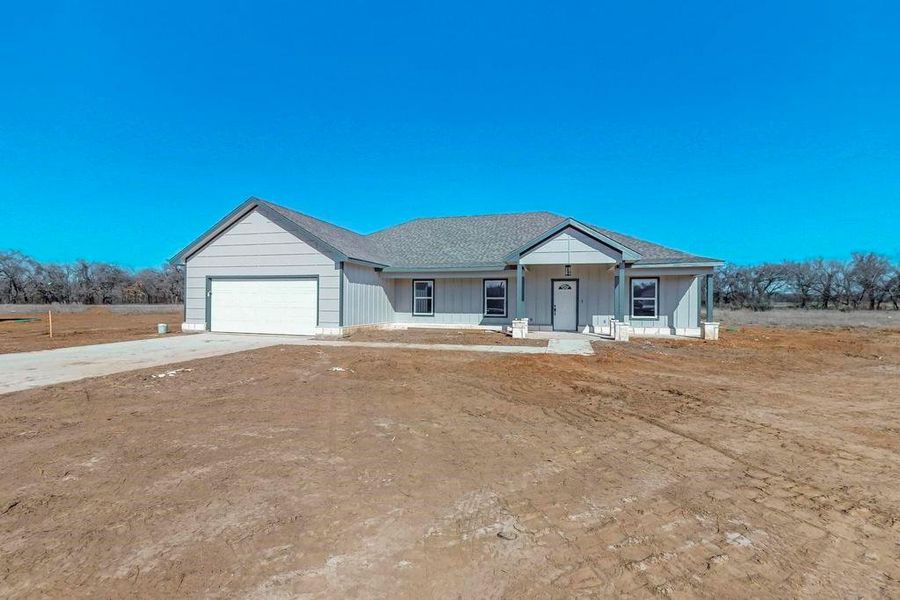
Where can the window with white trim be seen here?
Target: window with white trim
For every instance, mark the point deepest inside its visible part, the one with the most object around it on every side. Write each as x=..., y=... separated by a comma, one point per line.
x=644, y=298
x=423, y=297
x=495, y=297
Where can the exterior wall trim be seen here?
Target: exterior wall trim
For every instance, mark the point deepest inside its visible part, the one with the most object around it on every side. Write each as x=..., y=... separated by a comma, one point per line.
x=441, y=268
x=341, y=294
x=663, y=265
x=184, y=292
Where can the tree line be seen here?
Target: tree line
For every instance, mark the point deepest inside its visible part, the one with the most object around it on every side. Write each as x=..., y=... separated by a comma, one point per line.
x=24, y=280
x=866, y=281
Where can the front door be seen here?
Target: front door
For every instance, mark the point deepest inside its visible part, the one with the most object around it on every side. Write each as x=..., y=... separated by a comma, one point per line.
x=565, y=304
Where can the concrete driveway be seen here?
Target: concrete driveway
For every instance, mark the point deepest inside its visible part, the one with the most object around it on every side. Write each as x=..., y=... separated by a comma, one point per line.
x=23, y=370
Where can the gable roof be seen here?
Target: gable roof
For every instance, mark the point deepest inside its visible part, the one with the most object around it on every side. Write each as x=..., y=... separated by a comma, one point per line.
x=462, y=241
x=443, y=242
x=654, y=253
x=349, y=243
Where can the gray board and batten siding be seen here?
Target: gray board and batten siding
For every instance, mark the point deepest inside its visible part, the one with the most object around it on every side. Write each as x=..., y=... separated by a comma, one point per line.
x=254, y=246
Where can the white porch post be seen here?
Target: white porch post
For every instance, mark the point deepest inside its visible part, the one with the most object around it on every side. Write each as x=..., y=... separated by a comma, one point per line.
x=709, y=329
x=520, y=291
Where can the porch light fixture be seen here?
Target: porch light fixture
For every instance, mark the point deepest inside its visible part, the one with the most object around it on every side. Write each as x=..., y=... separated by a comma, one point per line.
x=568, y=270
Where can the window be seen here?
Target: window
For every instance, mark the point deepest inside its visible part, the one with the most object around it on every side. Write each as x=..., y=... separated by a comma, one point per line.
x=423, y=297
x=495, y=297
x=644, y=297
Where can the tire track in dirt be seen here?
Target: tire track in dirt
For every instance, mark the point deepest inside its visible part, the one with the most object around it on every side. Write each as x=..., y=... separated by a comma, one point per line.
x=849, y=526
x=611, y=401
x=578, y=416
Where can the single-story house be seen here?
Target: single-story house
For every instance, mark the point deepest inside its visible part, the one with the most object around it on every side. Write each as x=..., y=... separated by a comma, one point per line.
x=265, y=268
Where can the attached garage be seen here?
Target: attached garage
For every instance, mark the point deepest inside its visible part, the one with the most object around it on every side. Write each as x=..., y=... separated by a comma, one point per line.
x=258, y=271
x=278, y=305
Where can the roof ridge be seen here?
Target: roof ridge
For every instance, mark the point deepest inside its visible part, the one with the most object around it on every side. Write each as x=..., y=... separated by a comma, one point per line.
x=302, y=214
x=506, y=214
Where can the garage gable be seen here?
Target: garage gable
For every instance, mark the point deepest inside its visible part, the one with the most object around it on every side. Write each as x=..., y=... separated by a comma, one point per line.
x=257, y=235
x=256, y=247
x=256, y=219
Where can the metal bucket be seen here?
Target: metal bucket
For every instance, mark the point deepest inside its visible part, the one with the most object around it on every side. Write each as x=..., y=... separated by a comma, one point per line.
x=162, y=328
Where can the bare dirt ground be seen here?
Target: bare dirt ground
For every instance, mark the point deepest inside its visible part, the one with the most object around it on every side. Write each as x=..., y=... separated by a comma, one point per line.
x=95, y=325
x=809, y=319
x=441, y=336
x=762, y=466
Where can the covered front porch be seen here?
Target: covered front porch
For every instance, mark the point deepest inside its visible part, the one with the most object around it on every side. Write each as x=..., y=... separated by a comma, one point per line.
x=576, y=279
x=605, y=299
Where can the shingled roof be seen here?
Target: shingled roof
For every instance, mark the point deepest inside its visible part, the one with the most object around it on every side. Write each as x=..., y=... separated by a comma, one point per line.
x=446, y=242
x=348, y=242
x=462, y=241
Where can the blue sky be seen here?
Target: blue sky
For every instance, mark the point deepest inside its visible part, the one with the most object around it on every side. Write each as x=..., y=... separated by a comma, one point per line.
x=747, y=131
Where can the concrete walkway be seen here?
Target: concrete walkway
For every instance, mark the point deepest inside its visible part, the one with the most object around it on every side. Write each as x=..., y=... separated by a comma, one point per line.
x=580, y=347
x=24, y=370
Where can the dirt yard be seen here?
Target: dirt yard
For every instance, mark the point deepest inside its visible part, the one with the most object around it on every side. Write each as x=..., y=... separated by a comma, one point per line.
x=764, y=466
x=95, y=325
x=809, y=319
x=441, y=336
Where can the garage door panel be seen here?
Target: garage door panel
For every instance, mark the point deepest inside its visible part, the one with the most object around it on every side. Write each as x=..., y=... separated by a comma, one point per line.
x=286, y=306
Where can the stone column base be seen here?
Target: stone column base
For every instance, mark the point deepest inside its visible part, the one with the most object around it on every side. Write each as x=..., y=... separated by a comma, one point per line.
x=192, y=327
x=623, y=332
x=709, y=330
x=520, y=328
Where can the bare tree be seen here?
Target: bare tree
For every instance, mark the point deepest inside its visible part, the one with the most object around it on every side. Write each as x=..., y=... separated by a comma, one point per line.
x=893, y=287
x=826, y=285
x=50, y=283
x=869, y=272
x=803, y=278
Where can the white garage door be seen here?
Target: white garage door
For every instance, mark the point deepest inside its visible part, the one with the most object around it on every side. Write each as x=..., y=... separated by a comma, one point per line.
x=264, y=306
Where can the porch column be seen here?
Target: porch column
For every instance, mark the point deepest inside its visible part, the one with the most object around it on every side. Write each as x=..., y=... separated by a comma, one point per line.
x=709, y=298
x=616, y=299
x=520, y=291
x=621, y=298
